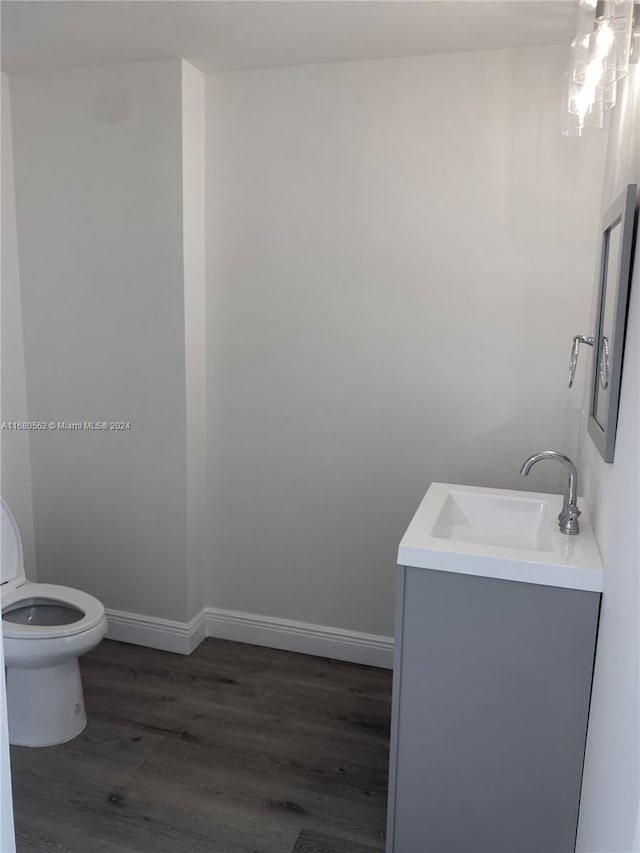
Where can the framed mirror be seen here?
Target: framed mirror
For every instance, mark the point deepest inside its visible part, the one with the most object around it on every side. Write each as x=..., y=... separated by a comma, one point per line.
x=614, y=271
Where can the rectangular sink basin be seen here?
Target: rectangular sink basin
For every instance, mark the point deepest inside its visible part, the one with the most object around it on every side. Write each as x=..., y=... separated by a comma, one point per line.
x=502, y=534
x=495, y=520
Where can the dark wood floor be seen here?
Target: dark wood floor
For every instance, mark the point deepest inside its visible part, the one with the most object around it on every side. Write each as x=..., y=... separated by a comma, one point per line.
x=235, y=749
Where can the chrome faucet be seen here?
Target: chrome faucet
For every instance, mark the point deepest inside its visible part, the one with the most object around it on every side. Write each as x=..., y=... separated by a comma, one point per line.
x=568, y=518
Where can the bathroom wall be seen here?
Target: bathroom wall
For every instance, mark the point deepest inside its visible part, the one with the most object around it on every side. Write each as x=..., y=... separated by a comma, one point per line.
x=99, y=188
x=7, y=835
x=398, y=254
x=15, y=458
x=381, y=260
x=193, y=189
x=609, y=814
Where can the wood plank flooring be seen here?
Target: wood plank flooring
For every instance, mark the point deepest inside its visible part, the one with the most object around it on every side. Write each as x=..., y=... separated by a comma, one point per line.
x=234, y=749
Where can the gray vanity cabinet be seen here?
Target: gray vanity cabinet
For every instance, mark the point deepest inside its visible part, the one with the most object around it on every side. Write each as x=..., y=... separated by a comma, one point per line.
x=491, y=690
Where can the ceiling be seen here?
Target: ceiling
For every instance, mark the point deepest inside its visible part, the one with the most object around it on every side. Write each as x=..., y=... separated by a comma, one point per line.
x=223, y=35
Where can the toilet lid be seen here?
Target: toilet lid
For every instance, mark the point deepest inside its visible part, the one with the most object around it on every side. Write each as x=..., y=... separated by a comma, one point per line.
x=11, y=565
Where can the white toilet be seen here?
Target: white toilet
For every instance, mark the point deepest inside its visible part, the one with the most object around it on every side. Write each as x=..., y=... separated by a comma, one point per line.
x=45, y=628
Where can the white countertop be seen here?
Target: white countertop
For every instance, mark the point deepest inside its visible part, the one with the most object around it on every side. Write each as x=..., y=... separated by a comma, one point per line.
x=572, y=562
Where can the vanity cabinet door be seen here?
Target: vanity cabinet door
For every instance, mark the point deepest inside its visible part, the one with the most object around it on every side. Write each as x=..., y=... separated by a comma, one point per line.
x=492, y=681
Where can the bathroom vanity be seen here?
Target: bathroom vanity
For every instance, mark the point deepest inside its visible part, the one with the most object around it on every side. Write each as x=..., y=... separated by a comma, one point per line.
x=496, y=624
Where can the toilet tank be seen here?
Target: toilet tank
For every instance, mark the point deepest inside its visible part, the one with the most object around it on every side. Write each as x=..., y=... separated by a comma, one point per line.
x=11, y=564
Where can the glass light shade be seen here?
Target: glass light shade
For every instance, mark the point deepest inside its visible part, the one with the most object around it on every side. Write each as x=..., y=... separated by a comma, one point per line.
x=571, y=125
x=607, y=93
x=599, y=57
x=579, y=99
x=618, y=59
x=582, y=109
x=616, y=16
x=590, y=58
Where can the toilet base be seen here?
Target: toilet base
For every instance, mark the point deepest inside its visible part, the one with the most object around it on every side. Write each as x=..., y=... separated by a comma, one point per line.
x=45, y=706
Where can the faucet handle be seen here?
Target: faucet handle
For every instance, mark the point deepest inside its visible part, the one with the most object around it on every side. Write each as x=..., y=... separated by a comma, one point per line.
x=575, y=349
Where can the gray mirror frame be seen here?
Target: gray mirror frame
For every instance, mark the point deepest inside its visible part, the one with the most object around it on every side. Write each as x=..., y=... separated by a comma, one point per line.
x=622, y=212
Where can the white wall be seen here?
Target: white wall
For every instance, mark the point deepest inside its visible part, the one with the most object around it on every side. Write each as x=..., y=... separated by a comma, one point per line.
x=193, y=189
x=7, y=836
x=98, y=166
x=15, y=460
x=15, y=457
x=398, y=254
x=610, y=811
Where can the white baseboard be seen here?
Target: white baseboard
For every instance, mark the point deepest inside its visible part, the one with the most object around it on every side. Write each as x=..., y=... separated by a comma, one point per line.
x=165, y=634
x=302, y=637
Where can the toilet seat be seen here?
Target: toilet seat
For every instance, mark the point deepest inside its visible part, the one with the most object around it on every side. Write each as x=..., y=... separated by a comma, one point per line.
x=43, y=593
x=18, y=591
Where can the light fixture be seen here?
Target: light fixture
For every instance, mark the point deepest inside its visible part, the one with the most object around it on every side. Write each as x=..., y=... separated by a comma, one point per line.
x=606, y=42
